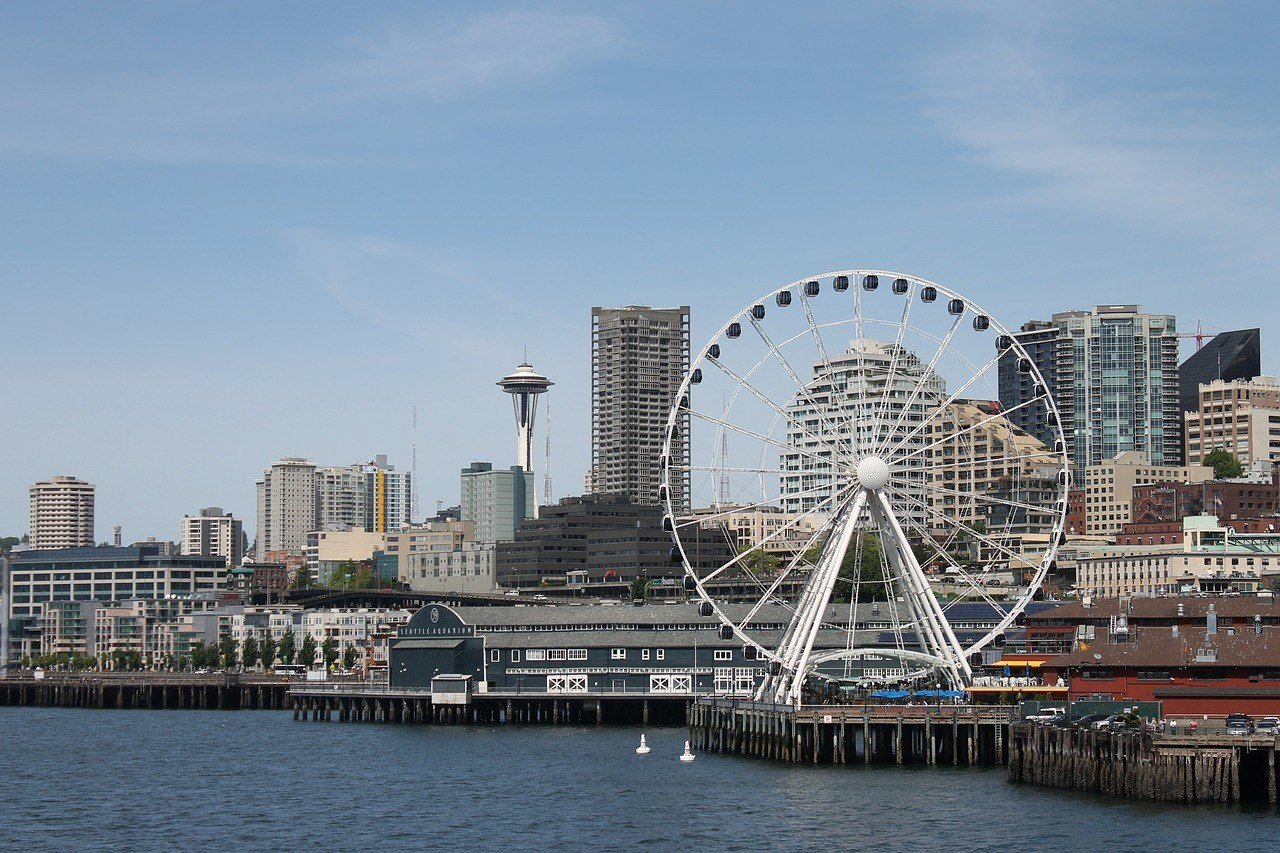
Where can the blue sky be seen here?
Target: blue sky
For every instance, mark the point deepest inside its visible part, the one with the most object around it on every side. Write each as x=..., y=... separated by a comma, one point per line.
x=237, y=231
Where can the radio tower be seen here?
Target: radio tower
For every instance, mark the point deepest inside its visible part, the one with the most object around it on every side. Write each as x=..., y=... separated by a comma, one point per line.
x=413, y=493
x=722, y=490
x=546, y=467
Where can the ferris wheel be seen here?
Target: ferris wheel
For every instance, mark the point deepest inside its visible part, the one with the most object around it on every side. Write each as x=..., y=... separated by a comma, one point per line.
x=852, y=454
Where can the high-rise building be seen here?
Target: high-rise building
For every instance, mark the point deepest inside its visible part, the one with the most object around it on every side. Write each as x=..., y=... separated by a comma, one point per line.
x=61, y=513
x=496, y=500
x=1241, y=416
x=1040, y=340
x=1113, y=373
x=287, y=503
x=639, y=357
x=296, y=497
x=213, y=533
x=849, y=401
x=1228, y=356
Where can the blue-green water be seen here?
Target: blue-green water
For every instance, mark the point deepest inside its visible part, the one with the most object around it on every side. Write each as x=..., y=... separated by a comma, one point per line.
x=163, y=780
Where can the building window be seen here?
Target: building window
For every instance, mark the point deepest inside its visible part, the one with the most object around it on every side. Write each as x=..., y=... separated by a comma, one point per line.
x=557, y=654
x=644, y=654
x=535, y=654
x=618, y=654
x=724, y=654
x=515, y=656
x=577, y=654
x=662, y=654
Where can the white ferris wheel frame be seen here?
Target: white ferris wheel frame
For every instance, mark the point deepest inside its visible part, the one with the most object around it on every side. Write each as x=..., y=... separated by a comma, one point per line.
x=791, y=661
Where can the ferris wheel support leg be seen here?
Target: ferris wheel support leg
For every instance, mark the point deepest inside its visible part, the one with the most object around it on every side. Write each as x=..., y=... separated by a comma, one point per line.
x=829, y=569
x=949, y=647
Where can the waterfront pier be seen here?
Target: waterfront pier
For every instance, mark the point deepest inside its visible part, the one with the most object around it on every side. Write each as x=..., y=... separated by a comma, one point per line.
x=162, y=691
x=1141, y=765
x=965, y=735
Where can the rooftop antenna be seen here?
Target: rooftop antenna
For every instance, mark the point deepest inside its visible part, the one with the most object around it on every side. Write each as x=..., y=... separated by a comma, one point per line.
x=413, y=486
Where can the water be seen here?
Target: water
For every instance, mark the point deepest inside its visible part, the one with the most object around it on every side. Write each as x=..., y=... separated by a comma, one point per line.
x=249, y=780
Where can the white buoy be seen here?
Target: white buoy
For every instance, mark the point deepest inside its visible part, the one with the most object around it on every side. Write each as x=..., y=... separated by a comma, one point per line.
x=643, y=748
x=688, y=754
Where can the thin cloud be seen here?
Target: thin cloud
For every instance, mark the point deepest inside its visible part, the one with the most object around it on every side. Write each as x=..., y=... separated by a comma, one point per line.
x=444, y=61
x=1144, y=157
x=261, y=111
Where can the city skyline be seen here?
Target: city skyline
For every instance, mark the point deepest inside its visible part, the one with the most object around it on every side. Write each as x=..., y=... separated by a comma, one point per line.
x=1026, y=159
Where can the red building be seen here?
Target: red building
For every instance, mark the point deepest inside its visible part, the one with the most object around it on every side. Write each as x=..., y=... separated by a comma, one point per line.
x=1171, y=532
x=1055, y=631
x=1217, y=672
x=1229, y=501
x=1075, y=511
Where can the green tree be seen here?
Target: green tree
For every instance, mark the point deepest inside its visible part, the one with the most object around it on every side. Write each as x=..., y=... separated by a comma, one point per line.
x=249, y=652
x=349, y=657
x=307, y=654
x=8, y=542
x=302, y=578
x=862, y=567
x=227, y=652
x=288, y=647
x=639, y=588
x=268, y=651
x=1224, y=463
x=329, y=651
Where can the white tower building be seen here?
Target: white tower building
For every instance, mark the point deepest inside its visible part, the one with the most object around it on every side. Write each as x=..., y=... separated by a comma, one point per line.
x=524, y=385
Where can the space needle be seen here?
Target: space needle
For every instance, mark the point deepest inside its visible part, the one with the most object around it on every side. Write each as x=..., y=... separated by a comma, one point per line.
x=524, y=385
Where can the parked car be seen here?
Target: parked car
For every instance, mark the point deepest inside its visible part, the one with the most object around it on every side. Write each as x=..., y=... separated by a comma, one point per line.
x=1239, y=724
x=1268, y=726
x=1045, y=714
x=1087, y=721
x=1115, y=722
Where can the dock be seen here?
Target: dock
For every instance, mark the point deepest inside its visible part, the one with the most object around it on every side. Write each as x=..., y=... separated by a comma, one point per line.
x=1142, y=765
x=153, y=691
x=960, y=735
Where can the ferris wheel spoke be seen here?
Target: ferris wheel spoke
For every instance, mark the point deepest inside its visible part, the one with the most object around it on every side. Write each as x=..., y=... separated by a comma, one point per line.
x=764, y=398
x=966, y=528
x=795, y=562
x=970, y=428
x=740, y=508
x=903, y=325
x=924, y=379
x=978, y=496
x=1046, y=456
x=821, y=346
x=941, y=410
x=738, y=558
x=763, y=438
x=801, y=390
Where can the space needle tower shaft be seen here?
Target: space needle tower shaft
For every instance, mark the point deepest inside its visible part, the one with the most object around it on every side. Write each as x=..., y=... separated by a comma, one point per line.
x=524, y=384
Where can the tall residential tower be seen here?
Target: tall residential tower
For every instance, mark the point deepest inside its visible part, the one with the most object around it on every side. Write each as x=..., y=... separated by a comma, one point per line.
x=639, y=357
x=61, y=513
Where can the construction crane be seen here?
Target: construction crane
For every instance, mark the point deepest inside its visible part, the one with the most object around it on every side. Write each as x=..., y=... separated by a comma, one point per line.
x=1199, y=334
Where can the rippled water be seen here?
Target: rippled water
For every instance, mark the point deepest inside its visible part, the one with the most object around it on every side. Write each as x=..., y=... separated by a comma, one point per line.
x=81, y=779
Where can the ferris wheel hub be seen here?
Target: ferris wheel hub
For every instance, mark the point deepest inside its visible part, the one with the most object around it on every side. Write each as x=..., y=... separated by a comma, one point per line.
x=873, y=473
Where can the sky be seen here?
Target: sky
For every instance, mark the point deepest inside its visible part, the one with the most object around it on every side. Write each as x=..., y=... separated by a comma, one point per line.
x=231, y=232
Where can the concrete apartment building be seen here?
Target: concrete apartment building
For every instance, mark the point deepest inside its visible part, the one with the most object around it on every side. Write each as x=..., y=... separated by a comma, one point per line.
x=286, y=505
x=296, y=497
x=991, y=454
x=639, y=357
x=1113, y=373
x=61, y=514
x=846, y=400
x=327, y=550
x=1212, y=559
x=1109, y=488
x=213, y=532
x=1241, y=416
x=496, y=500
x=772, y=529
x=468, y=568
